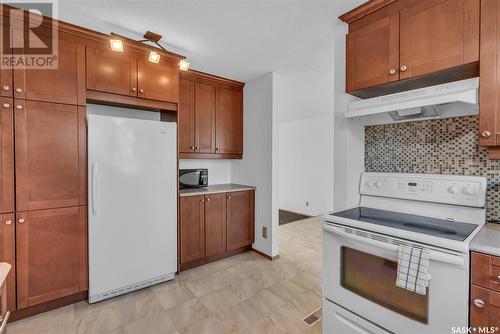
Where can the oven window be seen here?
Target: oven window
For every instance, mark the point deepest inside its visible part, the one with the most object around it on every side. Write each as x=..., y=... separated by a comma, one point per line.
x=374, y=278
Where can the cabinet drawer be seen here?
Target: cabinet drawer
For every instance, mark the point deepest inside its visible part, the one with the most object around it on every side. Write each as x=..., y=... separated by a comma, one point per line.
x=486, y=271
x=484, y=307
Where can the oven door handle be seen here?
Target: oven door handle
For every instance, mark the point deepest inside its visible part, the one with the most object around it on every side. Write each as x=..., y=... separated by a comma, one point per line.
x=433, y=255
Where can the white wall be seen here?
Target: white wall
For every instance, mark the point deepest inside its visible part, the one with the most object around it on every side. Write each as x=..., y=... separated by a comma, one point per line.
x=258, y=166
x=348, y=137
x=305, y=112
x=219, y=171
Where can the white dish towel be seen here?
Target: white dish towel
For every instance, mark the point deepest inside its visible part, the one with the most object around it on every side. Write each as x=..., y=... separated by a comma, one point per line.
x=413, y=269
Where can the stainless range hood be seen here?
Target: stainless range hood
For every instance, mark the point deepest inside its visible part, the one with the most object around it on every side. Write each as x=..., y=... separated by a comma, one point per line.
x=454, y=99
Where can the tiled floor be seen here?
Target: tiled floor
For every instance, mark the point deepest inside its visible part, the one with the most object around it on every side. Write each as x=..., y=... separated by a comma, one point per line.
x=242, y=294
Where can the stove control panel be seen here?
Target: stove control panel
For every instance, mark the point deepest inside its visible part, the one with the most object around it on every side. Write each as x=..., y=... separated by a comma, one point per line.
x=448, y=189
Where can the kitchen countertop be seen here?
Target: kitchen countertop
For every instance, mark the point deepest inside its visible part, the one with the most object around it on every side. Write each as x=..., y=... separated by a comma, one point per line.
x=487, y=240
x=214, y=189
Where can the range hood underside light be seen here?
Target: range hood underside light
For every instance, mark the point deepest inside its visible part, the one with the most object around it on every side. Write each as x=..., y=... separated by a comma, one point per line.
x=456, y=99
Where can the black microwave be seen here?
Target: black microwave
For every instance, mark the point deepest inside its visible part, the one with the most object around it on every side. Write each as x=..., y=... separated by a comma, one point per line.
x=193, y=178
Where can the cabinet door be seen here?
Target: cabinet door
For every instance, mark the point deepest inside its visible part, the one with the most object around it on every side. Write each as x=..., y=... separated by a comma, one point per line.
x=158, y=81
x=7, y=254
x=111, y=72
x=49, y=158
x=438, y=35
x=240, y=219
x=192, y=228
x=484, y=308
x=204, y=118
x=58, y=85
x=5, y=72
x=185, y=122
x=6, y=156
x=50, y=248
x=215, y=224
x=373, y=54
x=229, y=121
x=489, y=94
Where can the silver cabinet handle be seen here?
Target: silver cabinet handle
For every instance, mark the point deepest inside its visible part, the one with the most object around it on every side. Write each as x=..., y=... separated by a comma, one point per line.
x=6, y=88
x=392, y=71
x=485, y=134
x=479, y=302
x=6, y=105
x=192, y=147
x=498, y=277
x=208, y=199
x=197, y=148
x=8, y=222
x=202, y=200
x=141, y=90
x=134, y=89
x=228, y=197
x=21, y=220
x=403, y=68
x=19, y=107
x=19, y=90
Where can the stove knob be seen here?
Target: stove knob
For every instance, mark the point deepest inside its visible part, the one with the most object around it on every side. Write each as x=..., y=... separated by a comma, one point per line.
x=369, y=184
x=378, y=184
x=468, y=191
x=452, y=190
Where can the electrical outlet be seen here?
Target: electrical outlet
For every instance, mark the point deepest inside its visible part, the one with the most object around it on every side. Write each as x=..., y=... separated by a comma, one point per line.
x=264, y=232
x=307, y=203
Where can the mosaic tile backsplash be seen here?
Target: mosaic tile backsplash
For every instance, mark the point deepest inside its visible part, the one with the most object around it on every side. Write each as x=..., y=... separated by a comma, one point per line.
x=446, y=146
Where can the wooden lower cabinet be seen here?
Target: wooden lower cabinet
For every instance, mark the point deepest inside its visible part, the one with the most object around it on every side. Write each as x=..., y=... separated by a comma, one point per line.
x=240, y=217
x=8, y=254
x=485, y=290
x=51, y=255
x=214, y=226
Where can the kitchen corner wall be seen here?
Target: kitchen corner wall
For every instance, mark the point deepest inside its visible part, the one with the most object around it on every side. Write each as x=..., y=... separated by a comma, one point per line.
x=446, y=146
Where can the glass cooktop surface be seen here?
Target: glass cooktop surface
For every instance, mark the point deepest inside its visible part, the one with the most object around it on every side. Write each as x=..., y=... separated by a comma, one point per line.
x=426, y=225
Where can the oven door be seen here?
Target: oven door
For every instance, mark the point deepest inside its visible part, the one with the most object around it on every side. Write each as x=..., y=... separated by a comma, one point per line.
x=359, y=274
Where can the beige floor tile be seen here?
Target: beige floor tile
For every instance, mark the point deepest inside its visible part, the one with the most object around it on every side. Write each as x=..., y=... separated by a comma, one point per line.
x=188, y=313
x=151, y=324
x=219, y=300
x=307, y=302
x=286, y=290
x=243, y=315
x=215, y=324
x=171, y=295
x=265, y=303
x=206, y=284
x=246, y=288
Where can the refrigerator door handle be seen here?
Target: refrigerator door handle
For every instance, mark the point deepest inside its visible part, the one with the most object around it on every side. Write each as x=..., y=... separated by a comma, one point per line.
x=94, y=188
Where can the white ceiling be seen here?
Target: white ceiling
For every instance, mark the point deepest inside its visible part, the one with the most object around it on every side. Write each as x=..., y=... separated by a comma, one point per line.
x=241, y=40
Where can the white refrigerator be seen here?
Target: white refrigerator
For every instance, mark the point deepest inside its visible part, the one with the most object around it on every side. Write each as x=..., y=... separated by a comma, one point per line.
x=132, y=218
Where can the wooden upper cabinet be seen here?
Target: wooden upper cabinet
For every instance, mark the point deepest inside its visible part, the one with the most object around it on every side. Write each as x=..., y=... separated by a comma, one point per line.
x=6, y=156
x=204, y=118
x=215, y=224
x=191, y=228
x=399, y=45
x=373, y=54
x=51, y=254
x=5, y=72
x=111, y=72
x=185, y=121
x=438, y=35
x=158, y=81
x=50, y=155
x=8, y=254
x=229, y=121
x=240, y=219
x=59, y=85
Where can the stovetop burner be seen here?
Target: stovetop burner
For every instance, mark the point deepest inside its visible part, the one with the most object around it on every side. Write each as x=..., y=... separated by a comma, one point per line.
x=426, y=225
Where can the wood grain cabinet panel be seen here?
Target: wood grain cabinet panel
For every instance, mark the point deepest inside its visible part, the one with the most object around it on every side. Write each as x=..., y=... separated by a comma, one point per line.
x=8, y=254
x=229, y=121
x=240, y=219
x=192, y=228
x=438, y=35
x=49, y=155
x=373, y=54
x=185, y=121
x=5, y=72
x=215, y=224
x=204, y=118
x=484, y=308
x=158, y=81
x=111, y=72
x=59, y=85
x=50, y=245
x=6, y=155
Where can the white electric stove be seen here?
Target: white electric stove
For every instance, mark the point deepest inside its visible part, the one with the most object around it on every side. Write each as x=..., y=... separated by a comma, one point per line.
x=441, y=213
